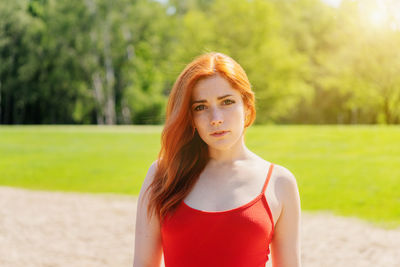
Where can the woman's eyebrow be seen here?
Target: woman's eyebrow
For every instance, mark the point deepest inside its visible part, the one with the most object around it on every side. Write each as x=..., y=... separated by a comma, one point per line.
x=203, y=100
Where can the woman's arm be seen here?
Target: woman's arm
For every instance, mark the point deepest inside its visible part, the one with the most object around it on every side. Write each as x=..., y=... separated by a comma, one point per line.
x=285, y=245
x=148, y=246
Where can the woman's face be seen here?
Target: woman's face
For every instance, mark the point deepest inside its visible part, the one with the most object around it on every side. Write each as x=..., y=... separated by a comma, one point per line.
x=216, y=106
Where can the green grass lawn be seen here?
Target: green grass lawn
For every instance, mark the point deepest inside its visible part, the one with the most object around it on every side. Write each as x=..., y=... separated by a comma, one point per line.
x=347, y=170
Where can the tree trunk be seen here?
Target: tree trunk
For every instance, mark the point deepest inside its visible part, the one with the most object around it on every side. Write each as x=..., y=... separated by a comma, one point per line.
x=110, y=78
x=98, y=95
x=126, y=112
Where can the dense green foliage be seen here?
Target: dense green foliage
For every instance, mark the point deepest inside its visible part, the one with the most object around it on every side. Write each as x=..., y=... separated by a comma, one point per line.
x=114, y=62
x=347, y=170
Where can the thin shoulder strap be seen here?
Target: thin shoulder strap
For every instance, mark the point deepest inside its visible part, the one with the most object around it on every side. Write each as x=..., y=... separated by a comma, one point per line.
x=268, y=177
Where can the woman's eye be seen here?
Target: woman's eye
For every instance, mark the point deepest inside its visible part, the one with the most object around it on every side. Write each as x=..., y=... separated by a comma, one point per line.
x=197, y=108
x=229, y=100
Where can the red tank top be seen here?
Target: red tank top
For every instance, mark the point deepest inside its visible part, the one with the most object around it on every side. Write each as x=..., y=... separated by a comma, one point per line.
x=236, y=237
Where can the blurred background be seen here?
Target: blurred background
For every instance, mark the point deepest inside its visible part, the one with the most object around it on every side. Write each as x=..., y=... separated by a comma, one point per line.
x=83, y=91
x=114, y=62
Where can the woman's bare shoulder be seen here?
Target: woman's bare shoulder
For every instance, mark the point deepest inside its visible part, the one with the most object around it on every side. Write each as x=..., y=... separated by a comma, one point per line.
x=285, y=183
x=283, y=173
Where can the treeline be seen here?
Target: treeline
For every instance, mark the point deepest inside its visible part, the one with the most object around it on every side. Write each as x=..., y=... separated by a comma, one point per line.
x=114, y=62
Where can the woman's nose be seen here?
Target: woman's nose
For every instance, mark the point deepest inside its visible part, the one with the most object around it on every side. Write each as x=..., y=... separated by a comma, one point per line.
x=216, y=117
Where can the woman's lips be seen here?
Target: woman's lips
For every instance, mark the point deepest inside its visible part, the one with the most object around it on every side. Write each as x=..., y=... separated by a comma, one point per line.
x=220, y=134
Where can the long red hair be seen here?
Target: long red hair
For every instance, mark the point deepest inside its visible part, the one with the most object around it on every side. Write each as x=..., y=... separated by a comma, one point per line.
x=183, y=153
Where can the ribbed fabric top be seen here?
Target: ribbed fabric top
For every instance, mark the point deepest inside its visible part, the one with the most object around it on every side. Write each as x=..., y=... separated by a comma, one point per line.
x=237, y=237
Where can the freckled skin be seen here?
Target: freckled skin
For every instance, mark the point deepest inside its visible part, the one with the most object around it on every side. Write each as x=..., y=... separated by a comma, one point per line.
x=215, y=114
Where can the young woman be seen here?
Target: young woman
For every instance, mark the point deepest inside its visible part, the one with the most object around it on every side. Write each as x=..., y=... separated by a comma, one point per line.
x=208, y=200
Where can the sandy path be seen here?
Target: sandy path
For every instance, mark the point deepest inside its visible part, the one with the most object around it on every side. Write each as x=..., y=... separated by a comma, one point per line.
x=59, y=229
